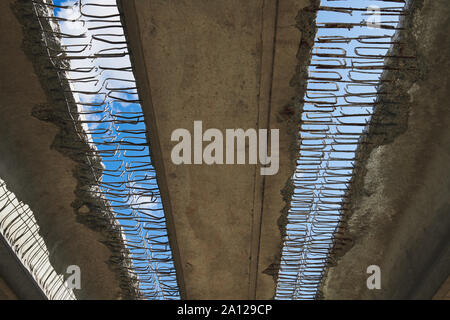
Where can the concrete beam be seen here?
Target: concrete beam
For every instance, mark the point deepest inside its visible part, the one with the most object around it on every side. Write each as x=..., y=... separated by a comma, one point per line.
x=16, y=281
x=229, y=64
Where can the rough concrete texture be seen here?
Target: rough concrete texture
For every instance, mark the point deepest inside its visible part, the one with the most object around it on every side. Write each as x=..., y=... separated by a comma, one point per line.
x=398, y=214
x=42, y=162
x=229, y=64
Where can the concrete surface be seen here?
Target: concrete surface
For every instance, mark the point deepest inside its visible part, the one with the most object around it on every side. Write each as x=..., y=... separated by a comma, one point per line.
x=36, y=160
x=399, y=210
x=444, y=291
x=229, y=64
x=6, y=292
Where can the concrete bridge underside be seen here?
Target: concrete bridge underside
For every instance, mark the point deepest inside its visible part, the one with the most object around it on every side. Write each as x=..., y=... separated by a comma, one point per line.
x=229, y=64
x=231, y=68
x=200, y=61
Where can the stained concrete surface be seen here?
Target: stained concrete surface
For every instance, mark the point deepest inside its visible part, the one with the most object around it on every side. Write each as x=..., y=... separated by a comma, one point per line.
x=399, y=211
x=33, y=165
x=229, y=64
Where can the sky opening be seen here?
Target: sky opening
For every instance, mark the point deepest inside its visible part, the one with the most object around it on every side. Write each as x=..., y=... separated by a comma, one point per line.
x=344, y=74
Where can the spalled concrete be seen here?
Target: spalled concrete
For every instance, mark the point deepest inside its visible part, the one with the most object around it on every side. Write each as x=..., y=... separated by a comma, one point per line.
x=39, y=163
x=16, y=281
x=399, y=205
x=229, y=64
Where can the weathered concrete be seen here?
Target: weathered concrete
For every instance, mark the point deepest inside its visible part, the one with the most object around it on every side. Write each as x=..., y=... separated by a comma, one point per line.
x=444, y=291
x=37, y=164
x=5, y=291
x=399, y=210
x=229, y=64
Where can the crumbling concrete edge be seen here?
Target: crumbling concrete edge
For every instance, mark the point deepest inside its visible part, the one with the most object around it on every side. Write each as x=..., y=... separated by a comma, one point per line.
x=292, y=114
x=71, y=141
x=389, y=121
